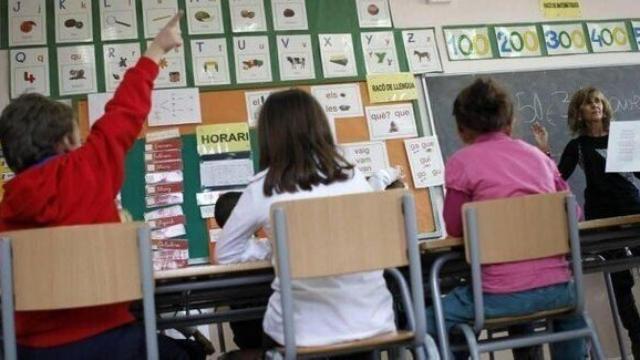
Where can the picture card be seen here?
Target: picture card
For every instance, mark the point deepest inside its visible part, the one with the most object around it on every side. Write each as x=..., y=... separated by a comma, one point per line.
x=379, y=52
x=175, y=107
x=77, y=70
x=373, y=13
x=425, y=160
x=74, y=21
x=339, y=101
x=336, y=52
x=27, y=22
x=295, y=57
x=391, y=121
x=118, y=58
x=421, y=51
x=210, y=62
x=252, y=59
x=29, y=71
x=156, y=14
x=118, y=20
x=254, y=101
x=368, y=157
x=289, y=15
x=172, y=69
x=247, y=16
x=217, y=173
x=204, y=17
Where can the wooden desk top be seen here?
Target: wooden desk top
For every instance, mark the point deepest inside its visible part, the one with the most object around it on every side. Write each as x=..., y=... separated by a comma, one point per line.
x=201, y=270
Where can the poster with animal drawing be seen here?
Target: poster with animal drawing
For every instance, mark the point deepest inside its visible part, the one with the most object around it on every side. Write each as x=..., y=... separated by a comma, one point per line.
x=74, y=21
x=156, y=13
x=373, y=13
x=379, y=51
x=336, y=52
x=247, y=15
x=252, y=59
x=172, y=69
x=204, y=17
x=77, y=70
x=289, y=15
x=295, y=55
x=117, y=59
x=118, y=20
x=27, y=22
x=210, y=62
x=421, y=50
x=29, y=70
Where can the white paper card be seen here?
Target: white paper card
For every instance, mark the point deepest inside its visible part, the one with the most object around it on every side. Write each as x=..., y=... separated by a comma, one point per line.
x=204, y=17
x=339, y=101
x=252, y=59
x=27, y=22
x=338, y=59
x=368, y=157
x=156, y=14
x=289, y=15
x=379, y=50
x=172, y=69
x=295, y=57
x=74, y=21
x=421, y=50
x=210, y=62
x=247, y=15
x=96, y=103
x=118, y=58
x=254, y=101
x=175, y=106
x=623, y=149
x=391, y=121
x=118, y=20
x=373, y=13
x=225, y=172
x=77, y=70
x=29, y=71
x=425, y=159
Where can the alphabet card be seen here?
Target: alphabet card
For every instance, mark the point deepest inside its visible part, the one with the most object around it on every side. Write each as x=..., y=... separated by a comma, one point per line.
x=421, y=50
x=204, y=17
x=74, y=21
x=156, y=13
x=247, y=16
x=339, y=101
x=391, y=121
x=118, y=20
x=425, y=159
x=338, y=59
x=289, y=15
x=210, y=62
x=379, y=49
x=117, y=59
x=174, y=107
x=368, y=157
x=27, y=22
x=77, y=70
x=295, y=57
x=373, y=13
x=29, y=71
x=172, y=69
x=252, y=59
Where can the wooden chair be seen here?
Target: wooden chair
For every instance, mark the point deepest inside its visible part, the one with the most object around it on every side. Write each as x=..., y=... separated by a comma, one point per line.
x=76, y=266
x=347, y=234
x=517, y=229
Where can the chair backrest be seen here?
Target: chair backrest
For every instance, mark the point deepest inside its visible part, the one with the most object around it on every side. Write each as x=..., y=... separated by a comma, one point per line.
x=344, y=234
x=75, y=266
x=519, y=228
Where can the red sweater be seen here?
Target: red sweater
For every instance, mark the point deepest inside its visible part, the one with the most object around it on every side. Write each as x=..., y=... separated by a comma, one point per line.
x=80, y=187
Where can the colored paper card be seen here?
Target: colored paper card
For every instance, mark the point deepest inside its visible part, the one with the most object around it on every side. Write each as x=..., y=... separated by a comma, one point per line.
x=204, y=17
x=608, y=36
x=222, y=138
x=338, y=59
x=96, y=103
x=210, y=62
x=564, y=39
x=339, y=101
x=174, y=107
x=74, y=21
x=27, y=22
x=247, y=16
x=391, y=87
x=77, y=70
x=468, y=43
x=379, y=51
x=425, y=159
x=254, y=101
x=156, y=14
x=295, y=57
x=118, y=20
x=561, y=9
x=368, y=157
x=252, y=59
x=518, y=41
x=118, y=57
x=421, y=51
x=216, y=173
x=29, y=71
x=373, y=13
x=391, y=121
x=635, y=25
x=172, y=69
x=289, y=15
x=623, y=149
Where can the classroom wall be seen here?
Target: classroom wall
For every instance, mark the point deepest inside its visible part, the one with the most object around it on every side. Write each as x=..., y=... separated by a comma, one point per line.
x=4, y=78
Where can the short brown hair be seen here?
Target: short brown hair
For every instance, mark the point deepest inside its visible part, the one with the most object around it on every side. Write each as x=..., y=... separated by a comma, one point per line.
x=577, y=125
x=296, y=144
x=483, y=107
x=31, y=128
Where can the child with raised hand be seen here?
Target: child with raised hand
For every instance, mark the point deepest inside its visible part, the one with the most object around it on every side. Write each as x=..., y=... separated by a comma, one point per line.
x=509, y=168
x=61, y=182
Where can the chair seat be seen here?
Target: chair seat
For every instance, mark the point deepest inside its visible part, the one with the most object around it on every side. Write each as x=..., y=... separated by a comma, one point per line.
x=493, y=323
x=396, y=337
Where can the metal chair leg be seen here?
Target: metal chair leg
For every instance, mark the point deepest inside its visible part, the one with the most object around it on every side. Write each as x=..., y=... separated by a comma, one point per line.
x=614, y=315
